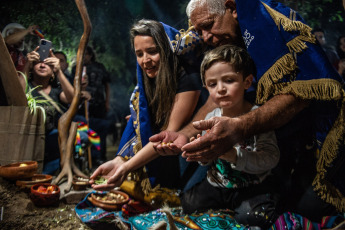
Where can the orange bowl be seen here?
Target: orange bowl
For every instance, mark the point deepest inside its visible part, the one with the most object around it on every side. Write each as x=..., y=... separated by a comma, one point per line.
x=45, y=194
x=116, y=204
x=19, y=170
x=35, y=179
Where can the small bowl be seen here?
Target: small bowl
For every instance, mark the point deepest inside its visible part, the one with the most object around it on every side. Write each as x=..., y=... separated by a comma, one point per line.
x=44, y=198
x=108, y=205
x=35, y=179
x=19, y=170
x=80, y=183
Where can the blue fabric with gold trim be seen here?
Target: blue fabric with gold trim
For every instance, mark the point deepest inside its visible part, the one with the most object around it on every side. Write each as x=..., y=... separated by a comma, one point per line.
x=289, y=62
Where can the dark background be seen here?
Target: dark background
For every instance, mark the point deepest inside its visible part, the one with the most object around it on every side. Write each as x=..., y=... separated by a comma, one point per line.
x=111, y=20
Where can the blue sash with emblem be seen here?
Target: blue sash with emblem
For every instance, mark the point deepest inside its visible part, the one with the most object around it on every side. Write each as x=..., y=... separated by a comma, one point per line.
x=290, y=62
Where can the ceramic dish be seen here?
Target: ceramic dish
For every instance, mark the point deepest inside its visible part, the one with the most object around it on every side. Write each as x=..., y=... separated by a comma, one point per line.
x=45, y=194
x=80, y=183
x=19, y=170
x=110, y=201
x=35, y=179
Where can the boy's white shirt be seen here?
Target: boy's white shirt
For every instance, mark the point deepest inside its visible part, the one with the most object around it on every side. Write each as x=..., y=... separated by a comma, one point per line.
x=261, y=159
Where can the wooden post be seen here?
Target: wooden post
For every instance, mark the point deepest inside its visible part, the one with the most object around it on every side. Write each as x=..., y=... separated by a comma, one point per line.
x=9, y=77
x=88, y=126
x=66, y=119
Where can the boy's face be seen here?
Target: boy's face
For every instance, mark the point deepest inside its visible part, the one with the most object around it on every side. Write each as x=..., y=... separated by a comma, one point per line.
x=226, y=86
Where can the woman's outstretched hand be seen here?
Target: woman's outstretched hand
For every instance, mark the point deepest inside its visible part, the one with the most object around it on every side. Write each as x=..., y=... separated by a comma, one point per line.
x=112, y=171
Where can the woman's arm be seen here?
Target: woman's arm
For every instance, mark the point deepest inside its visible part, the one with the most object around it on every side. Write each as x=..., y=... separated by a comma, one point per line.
x=181, y=113
x=183, y=109
x=68, y=91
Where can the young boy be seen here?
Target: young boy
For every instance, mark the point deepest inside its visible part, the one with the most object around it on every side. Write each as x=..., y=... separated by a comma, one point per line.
x=236, y=180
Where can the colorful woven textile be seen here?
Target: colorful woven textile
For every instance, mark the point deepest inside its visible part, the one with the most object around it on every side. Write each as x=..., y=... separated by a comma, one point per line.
x=90, y=214
x=294, y=221
x=93, y=137
x=213, y=220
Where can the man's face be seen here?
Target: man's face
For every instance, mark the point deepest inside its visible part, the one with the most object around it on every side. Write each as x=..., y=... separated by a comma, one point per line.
x=217, y=30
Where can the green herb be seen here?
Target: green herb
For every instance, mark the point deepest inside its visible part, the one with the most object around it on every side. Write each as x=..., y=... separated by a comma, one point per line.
x=100, y=180
x=33, y=101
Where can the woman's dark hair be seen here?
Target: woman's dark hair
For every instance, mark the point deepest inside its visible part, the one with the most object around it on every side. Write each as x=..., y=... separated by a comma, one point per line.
x=161, y=90
x=89, y=50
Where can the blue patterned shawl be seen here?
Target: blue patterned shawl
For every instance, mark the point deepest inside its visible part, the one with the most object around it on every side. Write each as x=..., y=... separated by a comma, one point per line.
x=289, y=62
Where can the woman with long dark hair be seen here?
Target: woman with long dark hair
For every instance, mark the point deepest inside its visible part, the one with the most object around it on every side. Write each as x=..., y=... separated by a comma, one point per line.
x=171, y=97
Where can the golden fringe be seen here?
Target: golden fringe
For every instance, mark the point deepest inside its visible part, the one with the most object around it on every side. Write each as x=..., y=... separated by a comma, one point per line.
x=287, y=23
x=324, y=89
x=317, y=89
x=135, y=102
x=297, y=44
x=327, y=155
x=269, y=80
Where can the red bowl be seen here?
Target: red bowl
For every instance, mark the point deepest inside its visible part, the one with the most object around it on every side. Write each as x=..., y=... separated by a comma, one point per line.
x=49, y=197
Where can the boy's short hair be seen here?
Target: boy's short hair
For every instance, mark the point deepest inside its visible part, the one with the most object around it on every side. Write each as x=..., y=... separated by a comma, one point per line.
x=236, y=56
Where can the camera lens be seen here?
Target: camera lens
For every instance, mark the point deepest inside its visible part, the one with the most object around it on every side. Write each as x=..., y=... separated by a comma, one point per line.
x=43, y=42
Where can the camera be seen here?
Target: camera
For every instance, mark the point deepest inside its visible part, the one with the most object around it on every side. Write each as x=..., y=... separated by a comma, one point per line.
x=44, y=47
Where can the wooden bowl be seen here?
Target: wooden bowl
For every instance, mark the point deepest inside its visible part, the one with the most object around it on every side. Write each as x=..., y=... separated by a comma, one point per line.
x=108, y=205
x=35, y=179
x=80, y=183
x=19, y=170
x=45, y=198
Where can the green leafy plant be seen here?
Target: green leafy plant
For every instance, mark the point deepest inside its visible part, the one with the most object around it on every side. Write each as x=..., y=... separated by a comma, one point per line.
x=34, y=102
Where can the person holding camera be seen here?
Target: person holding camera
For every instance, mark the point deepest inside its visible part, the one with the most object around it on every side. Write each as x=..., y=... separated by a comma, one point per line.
x=41, y=79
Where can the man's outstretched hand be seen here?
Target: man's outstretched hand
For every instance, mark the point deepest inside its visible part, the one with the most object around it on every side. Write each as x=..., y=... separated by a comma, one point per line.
x=169, y=143
x=223, y=133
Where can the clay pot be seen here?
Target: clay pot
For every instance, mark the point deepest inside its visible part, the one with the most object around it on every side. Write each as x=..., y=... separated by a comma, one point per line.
x=45, y=198
x=107, y=205
x=19, y=170
x=35, y=179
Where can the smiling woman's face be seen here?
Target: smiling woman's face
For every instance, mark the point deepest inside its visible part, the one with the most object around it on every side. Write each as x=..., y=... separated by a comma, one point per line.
x=147, y=55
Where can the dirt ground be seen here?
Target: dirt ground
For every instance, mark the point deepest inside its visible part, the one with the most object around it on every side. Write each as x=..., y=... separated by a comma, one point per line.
x=20, y=213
